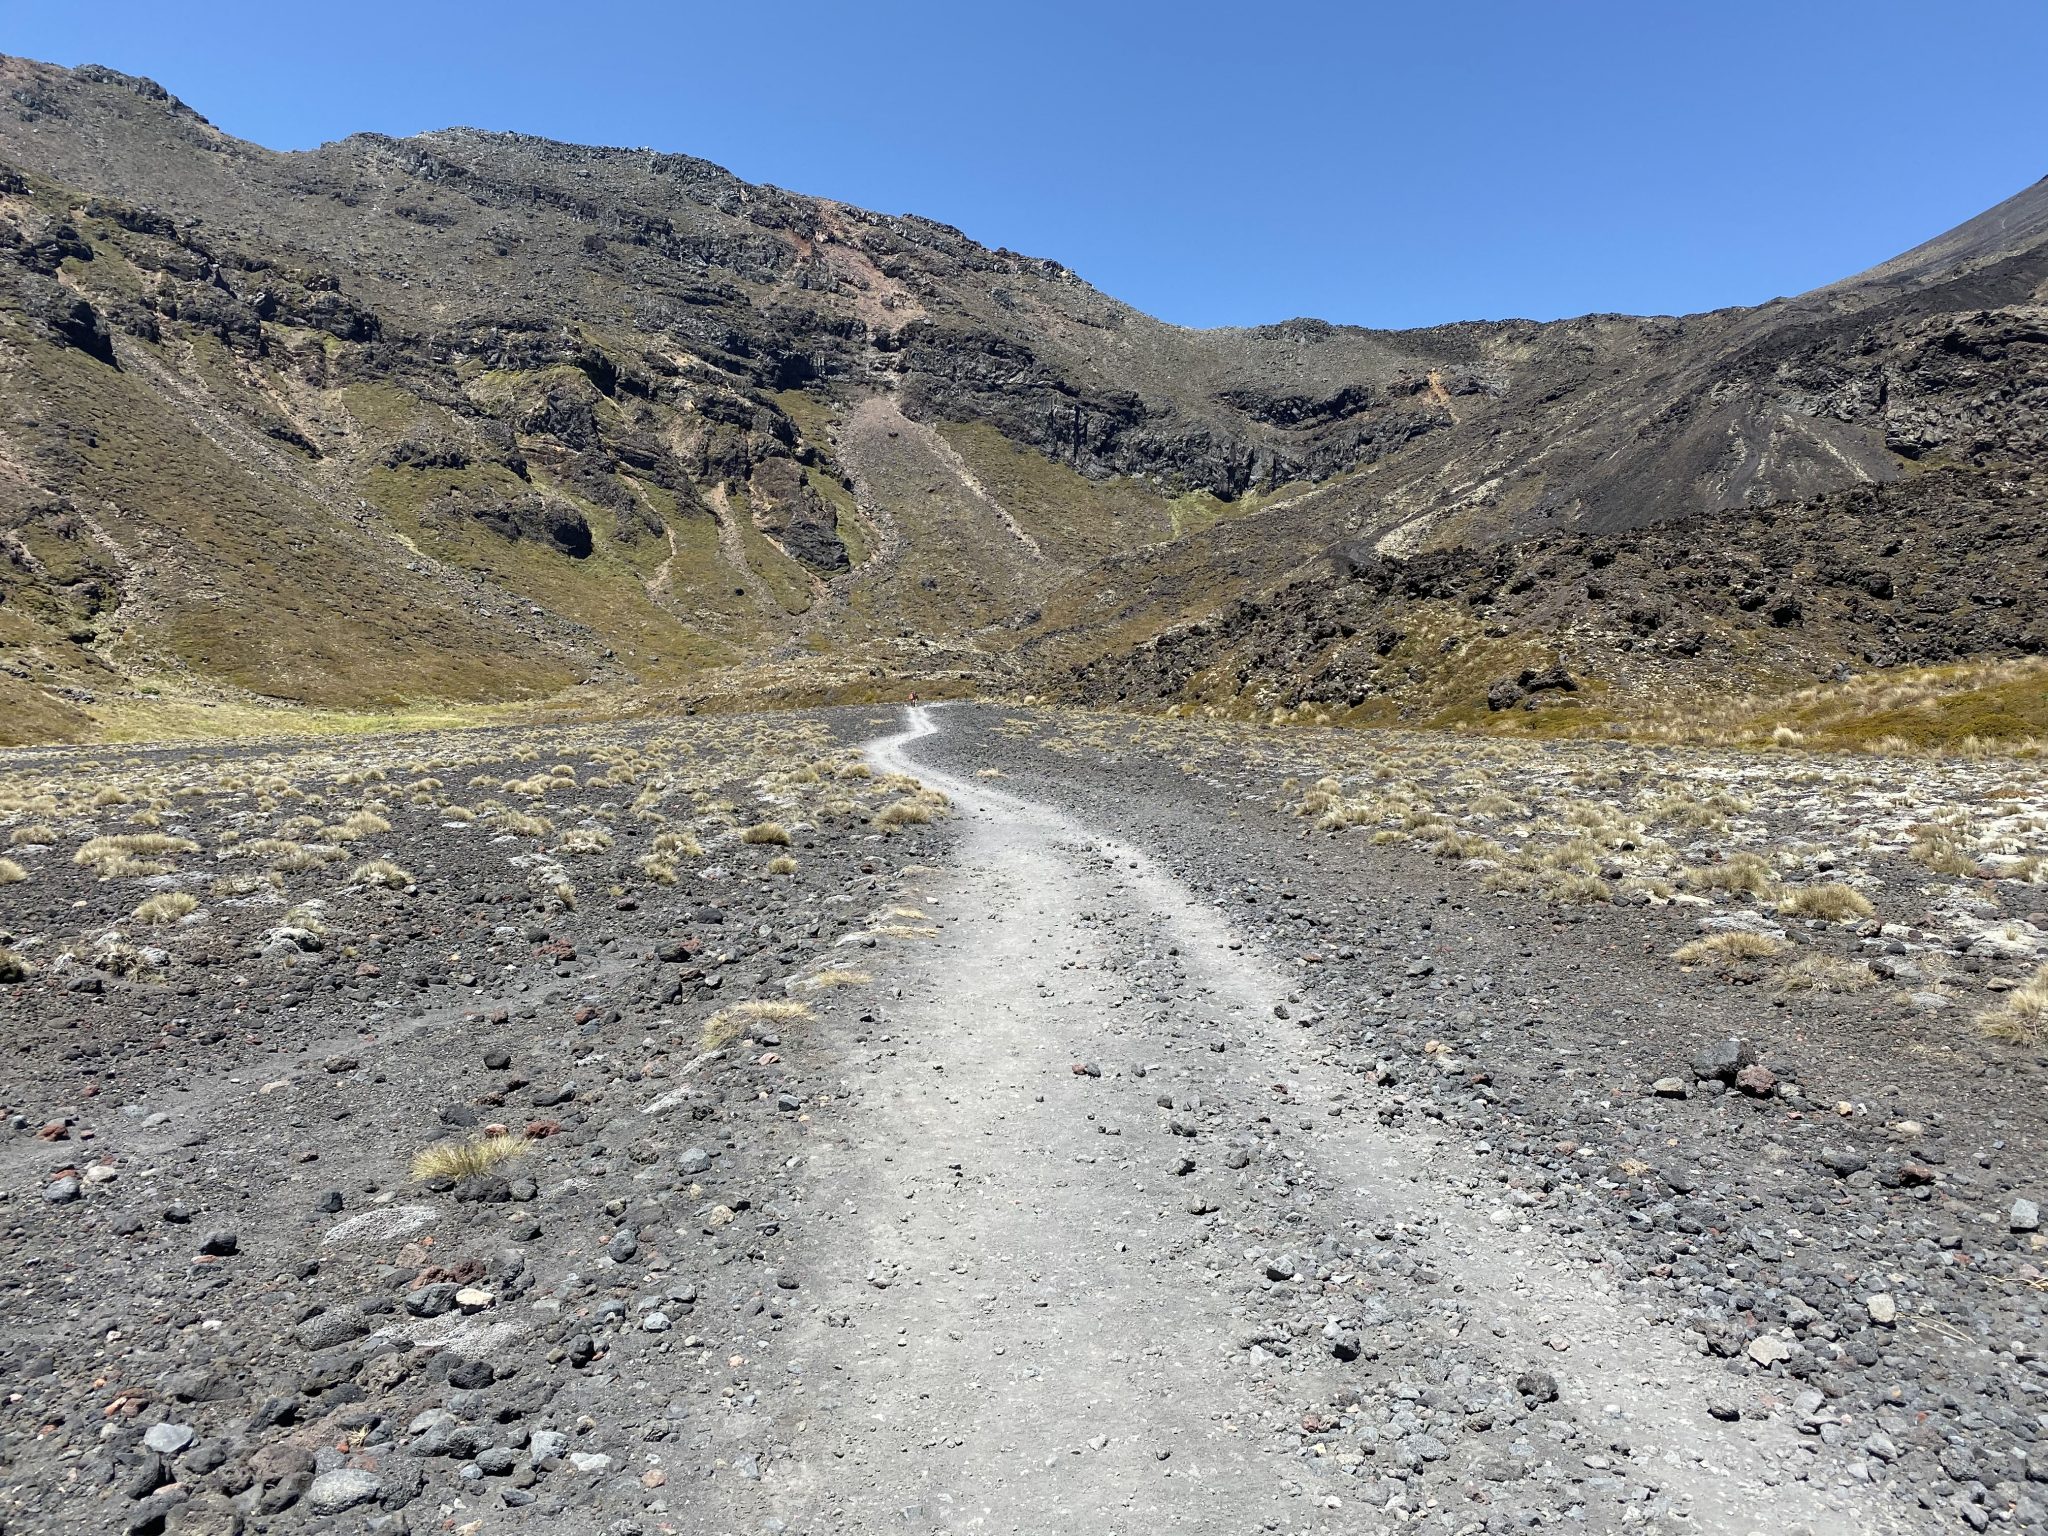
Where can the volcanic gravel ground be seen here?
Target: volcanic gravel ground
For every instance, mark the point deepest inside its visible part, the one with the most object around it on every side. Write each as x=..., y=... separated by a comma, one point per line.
x=1134, y=1164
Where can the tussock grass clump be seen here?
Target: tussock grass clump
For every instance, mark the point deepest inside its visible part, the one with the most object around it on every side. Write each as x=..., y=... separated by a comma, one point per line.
x=767, y=832
x=834, y=976
x=167, y=907
x=1739, y=873
x=2022, y=1019
x=468, y=1159
x=1579, y=890
x=1833, y=902
x=35, y=835
x=521, y=823
x=1725, y=948
x=359, y=824
x=1467, y=845
x=1943, y=855
x=782, y=864
x=913, y=810
x=381, y=874
x=585, y=840
x=12, y=967
x=728, y=1024
x=1827, y=973
x=130, y=854
x=11, y=873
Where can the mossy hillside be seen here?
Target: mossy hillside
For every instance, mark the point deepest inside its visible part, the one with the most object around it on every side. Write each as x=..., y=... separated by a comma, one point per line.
x=246, y=581
x=606, y=592
x=785, y=580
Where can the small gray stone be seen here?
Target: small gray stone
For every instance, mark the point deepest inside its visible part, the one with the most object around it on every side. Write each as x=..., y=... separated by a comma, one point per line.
x=2026, y=1216
x=695, y=1160
x=655, y=1322
x=62, y=1191
x=342, y=1489
x=326, y=1329
x=169, y=1439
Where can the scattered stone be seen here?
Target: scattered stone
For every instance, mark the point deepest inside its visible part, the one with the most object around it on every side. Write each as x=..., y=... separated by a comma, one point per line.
x=342, y=1489
x=169, y=1439
x=1756, y=1080
x=1722, y=1060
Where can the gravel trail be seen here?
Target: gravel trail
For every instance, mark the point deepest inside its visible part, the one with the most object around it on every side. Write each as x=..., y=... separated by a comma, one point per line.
x=1110, y=1239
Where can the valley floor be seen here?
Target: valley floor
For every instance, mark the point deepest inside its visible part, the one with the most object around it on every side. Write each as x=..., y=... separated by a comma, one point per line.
x=1114, y=1154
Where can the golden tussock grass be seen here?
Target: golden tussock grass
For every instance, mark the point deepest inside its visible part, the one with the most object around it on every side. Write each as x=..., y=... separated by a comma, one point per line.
x=1832, y=902
x=1739, y=872
x=1828, y=974
x=12, y=967
x=836, y=977
x=167, y=907
x=728, y=1024
x=11, y=873
x=459, y=1160
x=32, y=836
x=772, y=833
x=782, y=864
x=382, y=874
x=1724, y=948
x=521, y=823
x=1578, y=890
x=131, y=854
x=2022, y=1018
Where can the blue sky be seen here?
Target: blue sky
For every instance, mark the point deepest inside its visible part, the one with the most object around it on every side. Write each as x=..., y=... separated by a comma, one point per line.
x=1215, y=164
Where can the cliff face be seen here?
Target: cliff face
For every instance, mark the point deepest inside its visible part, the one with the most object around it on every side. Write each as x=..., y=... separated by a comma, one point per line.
x=475, y=415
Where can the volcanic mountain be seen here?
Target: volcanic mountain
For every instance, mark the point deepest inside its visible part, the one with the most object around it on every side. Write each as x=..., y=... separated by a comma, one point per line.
x=476, y=417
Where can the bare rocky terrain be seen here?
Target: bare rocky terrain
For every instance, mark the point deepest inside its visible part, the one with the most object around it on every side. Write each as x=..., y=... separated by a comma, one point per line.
x=1078, y=1122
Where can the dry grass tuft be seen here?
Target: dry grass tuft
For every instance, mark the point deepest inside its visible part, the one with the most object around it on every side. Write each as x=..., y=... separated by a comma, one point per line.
x=381, y=873
x=1578, y=890
x=35, y=835
x=1744, y=873
x=728, y=1024
x=521, y=824
x=131, y=854
x=782, y=864
x=768, y=832
x=12, y=967
x=459, y=1160
x=913, y=810
x=1726, y=948
x=11, y=873
x=1832, y=902
x=1827, y=973
x=836, y=977
x=167, y=907
x=2022, y=1019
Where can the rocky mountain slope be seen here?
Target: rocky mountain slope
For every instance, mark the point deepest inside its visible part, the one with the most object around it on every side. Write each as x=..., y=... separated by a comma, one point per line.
x=478, y=416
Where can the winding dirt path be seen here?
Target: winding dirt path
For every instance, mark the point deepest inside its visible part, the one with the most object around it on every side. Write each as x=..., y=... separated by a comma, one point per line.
x=1045, y=1300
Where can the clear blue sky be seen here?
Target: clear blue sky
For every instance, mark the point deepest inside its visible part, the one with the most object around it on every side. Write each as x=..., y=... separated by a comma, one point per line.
x=1384, y=164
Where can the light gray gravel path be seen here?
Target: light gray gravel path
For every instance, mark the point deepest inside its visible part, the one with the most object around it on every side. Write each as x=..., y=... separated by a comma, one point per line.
x=1029, y=1316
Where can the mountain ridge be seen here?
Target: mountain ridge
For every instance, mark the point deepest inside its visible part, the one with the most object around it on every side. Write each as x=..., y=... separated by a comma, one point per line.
x=616, y=417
